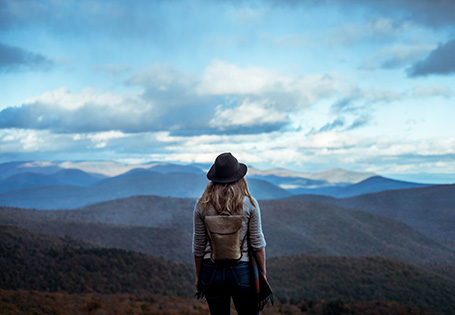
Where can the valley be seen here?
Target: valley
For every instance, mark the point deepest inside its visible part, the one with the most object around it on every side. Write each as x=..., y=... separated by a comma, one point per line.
x=389, y=245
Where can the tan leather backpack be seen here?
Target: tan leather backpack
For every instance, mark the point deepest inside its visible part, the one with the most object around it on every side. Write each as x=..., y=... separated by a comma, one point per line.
x=224, y=237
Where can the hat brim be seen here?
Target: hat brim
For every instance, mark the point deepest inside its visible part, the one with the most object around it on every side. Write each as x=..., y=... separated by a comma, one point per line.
x=235, y=177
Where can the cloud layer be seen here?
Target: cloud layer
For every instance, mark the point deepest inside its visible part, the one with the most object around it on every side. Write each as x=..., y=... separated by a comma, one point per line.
x=308, y=85
x=226, y=99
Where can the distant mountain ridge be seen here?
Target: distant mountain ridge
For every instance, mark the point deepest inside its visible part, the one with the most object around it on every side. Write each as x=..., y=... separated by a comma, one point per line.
x=334, y=176
x=367, y=186
x=54, y=185
x=140, y=182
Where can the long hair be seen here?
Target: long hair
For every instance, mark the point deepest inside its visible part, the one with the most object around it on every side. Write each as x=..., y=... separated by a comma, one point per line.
x=228, y=197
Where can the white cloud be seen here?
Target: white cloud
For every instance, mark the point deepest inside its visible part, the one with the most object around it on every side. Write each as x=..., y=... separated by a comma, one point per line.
x=247, y=114
x=163, y=77
x=297, y=151
x=25, y=141
x=64, y=112
x=290, y=91
x=221, y=78
x=64, y=99
x=101, y=139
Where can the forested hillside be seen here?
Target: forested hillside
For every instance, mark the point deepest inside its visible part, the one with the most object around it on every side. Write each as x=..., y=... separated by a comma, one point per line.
x=34, y=261
x=361, y=279
x=430, y=210
x=163, y=226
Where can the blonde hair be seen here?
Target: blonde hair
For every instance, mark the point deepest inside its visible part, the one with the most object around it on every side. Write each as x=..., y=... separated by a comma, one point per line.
x=226, y=196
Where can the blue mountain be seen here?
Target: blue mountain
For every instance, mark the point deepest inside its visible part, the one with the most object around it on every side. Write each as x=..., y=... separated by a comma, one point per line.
x=25, y=180
x=76, y=177
x=133, y=183
x=13, y=168
x=371, y=185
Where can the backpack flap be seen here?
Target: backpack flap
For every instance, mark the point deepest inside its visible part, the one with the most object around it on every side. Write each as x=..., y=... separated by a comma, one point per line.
x=224, y=237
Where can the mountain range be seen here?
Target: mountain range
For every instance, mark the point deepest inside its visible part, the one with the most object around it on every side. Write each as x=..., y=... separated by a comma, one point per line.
x=292, y=228
x=51, y=185
x=126, y=229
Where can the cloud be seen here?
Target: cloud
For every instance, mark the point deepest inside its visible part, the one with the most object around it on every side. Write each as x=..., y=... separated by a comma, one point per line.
x=396, y=57
x=226, y=99
x=248, y=114
x=359, y=122
x=331, y=126
x=430, y=13
x=176, y=103
x=167, y=101
x=434, y=14
x=26, y=141
x=222, y=78
x=64, y=112
x=98, y=20
x=357, y=100
x=291, y=91
x=376, y=30
x=430, y=91
x=440, y=61
x=335, y=148
x=341, y=122
x=346, y=104
x=231, y=99
x=18, y=59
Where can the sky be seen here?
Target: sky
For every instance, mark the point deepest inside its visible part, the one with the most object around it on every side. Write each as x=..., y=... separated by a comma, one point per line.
x=305, y=85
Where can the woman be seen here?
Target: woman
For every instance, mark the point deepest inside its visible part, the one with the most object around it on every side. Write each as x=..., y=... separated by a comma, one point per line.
x=228, y=191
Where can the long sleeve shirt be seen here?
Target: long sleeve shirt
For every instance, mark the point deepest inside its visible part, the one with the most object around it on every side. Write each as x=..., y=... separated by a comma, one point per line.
x=251, y=220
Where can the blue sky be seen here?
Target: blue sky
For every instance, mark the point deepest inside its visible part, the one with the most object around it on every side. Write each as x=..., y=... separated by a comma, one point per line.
x=304, y=85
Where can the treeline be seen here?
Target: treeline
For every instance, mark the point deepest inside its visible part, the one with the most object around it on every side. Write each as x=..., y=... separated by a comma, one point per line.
x=360, y=279
x=39, y=262
x=31, y=261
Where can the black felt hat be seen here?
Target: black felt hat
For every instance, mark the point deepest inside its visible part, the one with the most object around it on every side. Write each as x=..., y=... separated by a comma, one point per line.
x=226, y=169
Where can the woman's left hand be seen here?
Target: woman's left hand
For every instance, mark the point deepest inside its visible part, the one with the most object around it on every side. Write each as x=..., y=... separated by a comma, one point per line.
x=196, y=283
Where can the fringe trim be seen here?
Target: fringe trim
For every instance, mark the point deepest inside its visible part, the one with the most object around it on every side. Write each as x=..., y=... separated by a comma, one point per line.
x=264, y=302
x=261, y=304
x=199, y=296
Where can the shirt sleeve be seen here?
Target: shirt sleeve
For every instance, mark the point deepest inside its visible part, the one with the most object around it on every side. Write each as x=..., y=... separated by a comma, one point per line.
x=199, y=233
x=257, y=240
